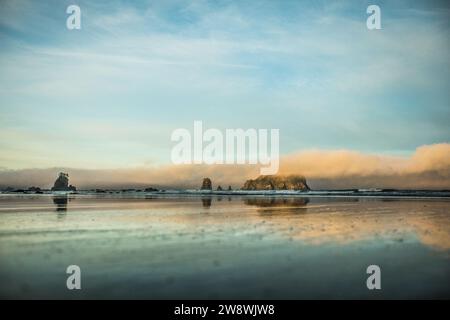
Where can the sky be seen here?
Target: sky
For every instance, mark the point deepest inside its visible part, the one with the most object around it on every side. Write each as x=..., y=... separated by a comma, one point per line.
x=108, y=96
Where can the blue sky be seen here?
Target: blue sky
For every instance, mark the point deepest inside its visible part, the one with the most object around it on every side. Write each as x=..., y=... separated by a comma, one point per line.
x=109, y=95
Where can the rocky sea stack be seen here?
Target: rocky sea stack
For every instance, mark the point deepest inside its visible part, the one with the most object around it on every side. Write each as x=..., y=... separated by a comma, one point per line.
x=206, y=184
x=275, y=182
x=62, y=183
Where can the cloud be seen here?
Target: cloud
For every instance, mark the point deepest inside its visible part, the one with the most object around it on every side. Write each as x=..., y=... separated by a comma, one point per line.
x=434, y=157
x=343, y=163
x=427, y=168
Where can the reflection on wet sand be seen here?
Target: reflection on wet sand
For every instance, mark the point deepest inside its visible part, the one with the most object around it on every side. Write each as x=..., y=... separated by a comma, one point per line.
x=309, y=220
x=342, y=221
x=224, y=249
x=60, y=202
x=345, y=223
x=206, y=202
x=276, y=202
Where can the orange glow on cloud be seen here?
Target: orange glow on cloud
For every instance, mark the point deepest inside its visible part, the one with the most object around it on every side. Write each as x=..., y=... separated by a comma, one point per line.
x=428, y=167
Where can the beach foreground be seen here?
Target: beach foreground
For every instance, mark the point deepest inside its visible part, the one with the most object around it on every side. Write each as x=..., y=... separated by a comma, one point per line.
x=223, y=247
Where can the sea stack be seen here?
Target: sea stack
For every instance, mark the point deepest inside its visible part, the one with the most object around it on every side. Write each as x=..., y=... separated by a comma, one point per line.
x=206, y=184
x=275, y=182
x=62, y=183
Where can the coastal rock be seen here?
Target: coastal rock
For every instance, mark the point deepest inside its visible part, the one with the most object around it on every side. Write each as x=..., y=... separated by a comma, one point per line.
x=34, y=189
x=219, y=188
x=62, y=183
x=275, y=182
x=206, y=184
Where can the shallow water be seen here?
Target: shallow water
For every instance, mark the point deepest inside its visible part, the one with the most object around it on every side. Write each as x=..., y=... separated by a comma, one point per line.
x=240, y=247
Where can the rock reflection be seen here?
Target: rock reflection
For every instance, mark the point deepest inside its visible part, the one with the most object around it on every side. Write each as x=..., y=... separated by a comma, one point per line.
x=277, y=202
x=269, y=206
x=206, y=202
x=61, y=203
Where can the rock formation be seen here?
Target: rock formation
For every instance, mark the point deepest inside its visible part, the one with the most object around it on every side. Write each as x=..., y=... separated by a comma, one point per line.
x=275, y=182
x=62, y=183
x=206, y=184
x=219, y=188
x=34, y=189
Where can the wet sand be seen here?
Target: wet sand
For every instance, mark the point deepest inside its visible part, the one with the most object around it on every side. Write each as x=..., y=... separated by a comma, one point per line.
x=230, y=247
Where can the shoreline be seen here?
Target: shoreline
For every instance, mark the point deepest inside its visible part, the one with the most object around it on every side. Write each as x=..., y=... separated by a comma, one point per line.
x=398, y=194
